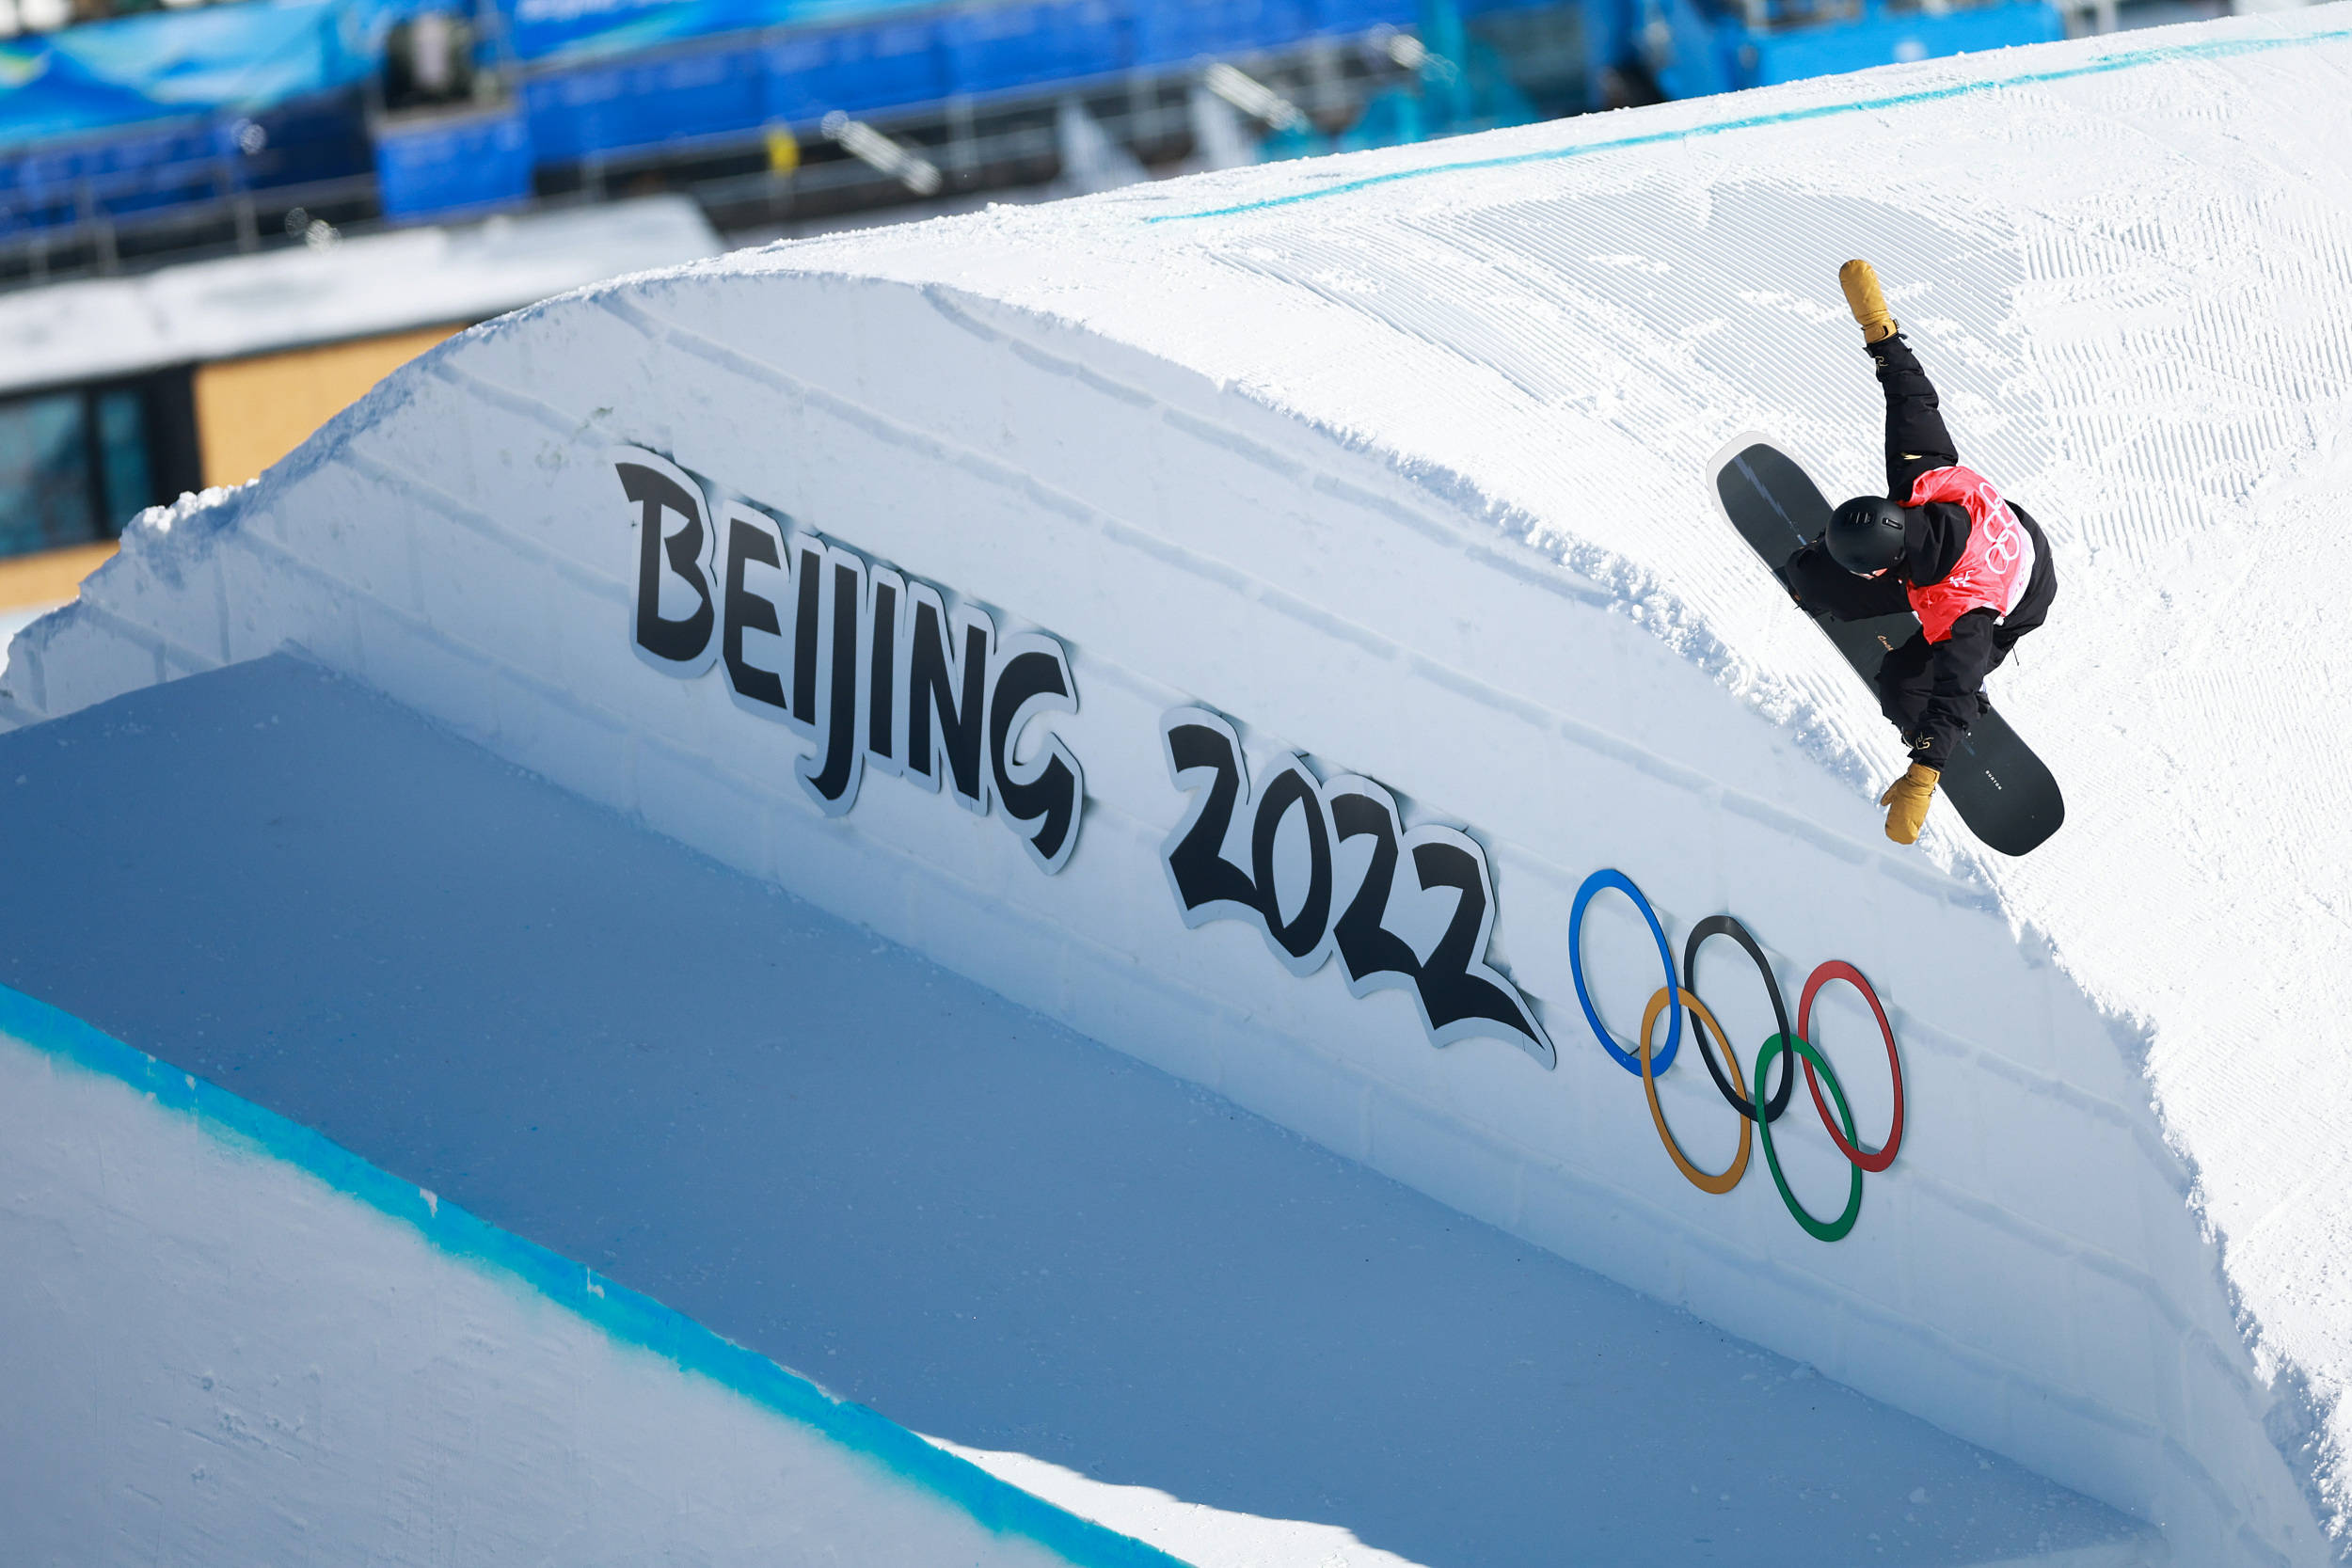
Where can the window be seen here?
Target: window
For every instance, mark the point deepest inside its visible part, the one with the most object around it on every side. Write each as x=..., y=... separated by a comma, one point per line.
x=78, y=464
x=44, y=474
x=122, y=465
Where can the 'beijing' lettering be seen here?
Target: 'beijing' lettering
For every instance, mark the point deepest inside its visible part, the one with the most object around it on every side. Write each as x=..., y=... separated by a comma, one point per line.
x=879, y=670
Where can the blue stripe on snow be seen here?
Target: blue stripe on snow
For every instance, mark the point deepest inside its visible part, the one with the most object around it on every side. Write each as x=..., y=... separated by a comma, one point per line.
x=624, y=1314
x=2167, y=54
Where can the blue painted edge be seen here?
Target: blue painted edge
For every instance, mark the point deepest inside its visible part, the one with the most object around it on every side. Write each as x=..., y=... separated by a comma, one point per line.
x=2164, y=54
x=621, y=1313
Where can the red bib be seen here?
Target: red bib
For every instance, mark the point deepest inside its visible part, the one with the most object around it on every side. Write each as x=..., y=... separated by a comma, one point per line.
x=1995, y=569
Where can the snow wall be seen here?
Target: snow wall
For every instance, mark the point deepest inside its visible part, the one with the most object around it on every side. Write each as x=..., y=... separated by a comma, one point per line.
x=247, y=1345
x=1251, y=545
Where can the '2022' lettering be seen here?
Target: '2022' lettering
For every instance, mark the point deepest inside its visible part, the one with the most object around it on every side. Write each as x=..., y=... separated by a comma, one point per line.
x=1458, y=992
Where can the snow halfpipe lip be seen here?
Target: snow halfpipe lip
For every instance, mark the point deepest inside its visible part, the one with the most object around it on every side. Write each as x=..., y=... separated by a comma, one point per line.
x=2129, y=59
x=625, y=1316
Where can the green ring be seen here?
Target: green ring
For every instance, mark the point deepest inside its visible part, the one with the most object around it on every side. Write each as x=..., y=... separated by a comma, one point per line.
x=1835, y=1229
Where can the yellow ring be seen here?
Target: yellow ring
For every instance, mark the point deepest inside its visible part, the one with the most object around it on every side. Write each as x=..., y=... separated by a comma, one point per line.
x=1700, y=1018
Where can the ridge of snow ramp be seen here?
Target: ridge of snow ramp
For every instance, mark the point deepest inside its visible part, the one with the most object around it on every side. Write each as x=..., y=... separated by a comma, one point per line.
x=1255, y=545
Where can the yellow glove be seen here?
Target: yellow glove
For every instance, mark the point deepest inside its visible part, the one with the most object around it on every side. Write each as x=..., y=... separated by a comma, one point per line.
x=1861, y=282
x=1906, y=802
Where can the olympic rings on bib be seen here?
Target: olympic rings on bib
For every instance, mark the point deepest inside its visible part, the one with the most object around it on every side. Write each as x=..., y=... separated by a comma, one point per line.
x=1597, y=882
x=1870, y=1160
x=1701, y=1022
x=1795, y=1047
x=1725, y=926
x=1820, y=1230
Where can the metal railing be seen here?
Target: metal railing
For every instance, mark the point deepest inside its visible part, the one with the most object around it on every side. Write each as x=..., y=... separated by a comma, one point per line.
x=1000, y=141
x=99, y=241
x=229, y=217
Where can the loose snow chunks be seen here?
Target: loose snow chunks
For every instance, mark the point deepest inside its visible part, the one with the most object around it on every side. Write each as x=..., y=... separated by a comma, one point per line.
x=876, y=665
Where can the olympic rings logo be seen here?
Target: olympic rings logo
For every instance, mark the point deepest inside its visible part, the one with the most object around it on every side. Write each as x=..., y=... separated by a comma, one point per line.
x=1790, y=1046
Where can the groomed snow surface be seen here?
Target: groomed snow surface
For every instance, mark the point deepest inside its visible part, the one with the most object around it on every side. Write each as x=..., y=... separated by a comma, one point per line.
x=1399, y=462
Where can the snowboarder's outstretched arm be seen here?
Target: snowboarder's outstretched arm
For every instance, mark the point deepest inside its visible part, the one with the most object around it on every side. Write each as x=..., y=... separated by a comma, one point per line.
x=1953, y=676
x=1917, y=442
x=1931, y=690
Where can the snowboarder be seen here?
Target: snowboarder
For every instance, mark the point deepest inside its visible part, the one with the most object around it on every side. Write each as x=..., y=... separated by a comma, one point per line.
x=1942, y=544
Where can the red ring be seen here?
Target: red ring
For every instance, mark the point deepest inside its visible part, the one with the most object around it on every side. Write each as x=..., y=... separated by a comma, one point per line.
x=1839, y=969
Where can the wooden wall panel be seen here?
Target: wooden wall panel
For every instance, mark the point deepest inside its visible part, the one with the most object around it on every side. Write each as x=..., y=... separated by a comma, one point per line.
x=250, y=413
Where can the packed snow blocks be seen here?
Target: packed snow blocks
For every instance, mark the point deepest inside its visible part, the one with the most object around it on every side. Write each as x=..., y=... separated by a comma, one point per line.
x=1279, y=625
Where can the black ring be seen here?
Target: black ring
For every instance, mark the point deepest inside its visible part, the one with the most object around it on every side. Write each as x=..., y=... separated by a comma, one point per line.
x=1725, y=926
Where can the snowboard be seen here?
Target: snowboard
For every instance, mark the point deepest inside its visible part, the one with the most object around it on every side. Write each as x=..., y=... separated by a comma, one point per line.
x=2006, y=794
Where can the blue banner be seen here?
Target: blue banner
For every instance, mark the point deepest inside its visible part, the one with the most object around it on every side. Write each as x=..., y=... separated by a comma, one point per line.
x=165, y=65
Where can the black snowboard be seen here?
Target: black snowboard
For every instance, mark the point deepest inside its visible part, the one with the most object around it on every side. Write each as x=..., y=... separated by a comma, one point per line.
x=2004, y=792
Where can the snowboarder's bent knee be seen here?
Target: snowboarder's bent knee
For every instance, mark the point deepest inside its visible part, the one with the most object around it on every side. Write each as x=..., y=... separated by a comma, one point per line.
x=1943, y=544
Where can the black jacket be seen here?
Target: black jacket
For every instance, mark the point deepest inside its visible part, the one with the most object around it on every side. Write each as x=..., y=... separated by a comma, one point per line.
x=1929, y=689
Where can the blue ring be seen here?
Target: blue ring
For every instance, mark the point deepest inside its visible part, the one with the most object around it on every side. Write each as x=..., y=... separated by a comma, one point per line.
x=1625, y=1059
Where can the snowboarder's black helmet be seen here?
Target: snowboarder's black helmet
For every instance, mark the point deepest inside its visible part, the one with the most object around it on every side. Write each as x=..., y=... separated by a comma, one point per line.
x=1865, y=534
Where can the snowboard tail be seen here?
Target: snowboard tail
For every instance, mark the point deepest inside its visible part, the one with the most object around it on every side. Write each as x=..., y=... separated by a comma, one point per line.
x=2005, y=793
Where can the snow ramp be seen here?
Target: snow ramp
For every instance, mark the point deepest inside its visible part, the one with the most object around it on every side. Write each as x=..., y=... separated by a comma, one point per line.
x=1258, y=621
